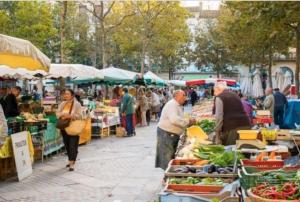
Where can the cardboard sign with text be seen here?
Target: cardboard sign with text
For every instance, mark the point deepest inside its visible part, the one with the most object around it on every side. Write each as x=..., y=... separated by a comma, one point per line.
x=21, y=154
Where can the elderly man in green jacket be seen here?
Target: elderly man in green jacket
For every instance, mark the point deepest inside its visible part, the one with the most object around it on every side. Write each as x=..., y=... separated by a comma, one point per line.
x=127, y=109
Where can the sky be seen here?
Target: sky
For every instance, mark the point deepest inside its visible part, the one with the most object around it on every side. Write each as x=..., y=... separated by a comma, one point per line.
x=207, y=5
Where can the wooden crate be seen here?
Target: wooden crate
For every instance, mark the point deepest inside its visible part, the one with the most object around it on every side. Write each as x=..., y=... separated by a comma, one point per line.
x=7, y=168
x=105, y=132
x=120, y=132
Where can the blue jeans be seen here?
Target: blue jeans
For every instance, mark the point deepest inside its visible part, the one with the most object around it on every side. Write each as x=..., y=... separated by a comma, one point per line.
x=129, y=124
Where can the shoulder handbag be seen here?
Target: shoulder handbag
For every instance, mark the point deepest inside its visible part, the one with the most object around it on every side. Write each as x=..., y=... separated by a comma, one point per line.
x=76, y=127
x=63, y=123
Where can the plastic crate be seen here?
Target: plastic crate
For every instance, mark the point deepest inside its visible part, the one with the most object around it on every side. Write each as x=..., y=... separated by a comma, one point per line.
x=200, y=189
x=183, y=162
x=248, y=134
x=254, y=198
x=248, y=177
x=261, y=120
x=263, y=165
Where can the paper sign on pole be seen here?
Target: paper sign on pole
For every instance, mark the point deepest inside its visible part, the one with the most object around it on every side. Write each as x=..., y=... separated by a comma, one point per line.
x=21, y=154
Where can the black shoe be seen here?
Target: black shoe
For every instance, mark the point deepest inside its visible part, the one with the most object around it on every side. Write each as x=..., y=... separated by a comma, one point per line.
x=71, y=169
x=68, y=166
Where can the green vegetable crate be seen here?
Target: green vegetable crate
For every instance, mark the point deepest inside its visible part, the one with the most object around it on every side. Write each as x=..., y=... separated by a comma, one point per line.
x=251, y=177
x=196, y=184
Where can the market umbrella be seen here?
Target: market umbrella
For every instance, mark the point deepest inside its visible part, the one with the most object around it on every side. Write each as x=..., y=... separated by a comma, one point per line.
x=279, y=77
x=246, y=85
x=176, y=83
x=9, y=73
x=257, y=89
x=20, y=53
x=150, y=78
x=112, y=74
x=287, y=80
x=74, y=71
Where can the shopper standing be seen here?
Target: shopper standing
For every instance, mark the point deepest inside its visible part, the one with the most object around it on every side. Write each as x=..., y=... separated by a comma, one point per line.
x=155, y=104
x=148, y=112
x=143, y=106
x=279, y=107
x=70, y=109
x=171, y=125
x=194, y=97
x=230, y=115
x=127, y=109
x=269, y=101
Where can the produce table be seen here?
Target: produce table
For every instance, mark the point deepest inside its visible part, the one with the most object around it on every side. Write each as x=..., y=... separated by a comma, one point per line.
x=104, y=118
x=202, y=172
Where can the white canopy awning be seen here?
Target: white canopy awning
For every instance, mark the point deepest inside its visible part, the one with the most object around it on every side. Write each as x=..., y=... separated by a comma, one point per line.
x=116, y=74
x=74, y=71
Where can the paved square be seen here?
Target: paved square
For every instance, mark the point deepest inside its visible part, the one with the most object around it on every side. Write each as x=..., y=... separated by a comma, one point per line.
x=108, y=170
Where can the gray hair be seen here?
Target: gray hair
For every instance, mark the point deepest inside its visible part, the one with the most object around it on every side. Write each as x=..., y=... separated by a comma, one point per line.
x=221, y=85
x=176, y=92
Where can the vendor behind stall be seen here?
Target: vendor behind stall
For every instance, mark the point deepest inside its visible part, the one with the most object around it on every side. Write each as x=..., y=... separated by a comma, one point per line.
x=171, y=125
x=11, y=108
x=230, y=115
x=3, y=124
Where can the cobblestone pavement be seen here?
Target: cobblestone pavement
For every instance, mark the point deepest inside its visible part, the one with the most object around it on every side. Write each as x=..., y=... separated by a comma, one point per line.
x=108, y=170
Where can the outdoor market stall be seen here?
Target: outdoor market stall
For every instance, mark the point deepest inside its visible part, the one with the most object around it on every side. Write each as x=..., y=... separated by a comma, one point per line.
x=20, y=59
x=260, y=167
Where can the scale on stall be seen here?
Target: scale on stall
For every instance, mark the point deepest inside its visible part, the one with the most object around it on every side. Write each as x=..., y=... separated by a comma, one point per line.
x=250, y=144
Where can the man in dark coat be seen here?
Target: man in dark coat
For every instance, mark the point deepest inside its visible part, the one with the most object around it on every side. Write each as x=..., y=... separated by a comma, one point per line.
x=280, y=106
x=194, y=97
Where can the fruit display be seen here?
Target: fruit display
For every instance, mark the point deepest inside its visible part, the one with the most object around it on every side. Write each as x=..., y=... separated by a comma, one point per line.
x=269, y=134
x=203, y=110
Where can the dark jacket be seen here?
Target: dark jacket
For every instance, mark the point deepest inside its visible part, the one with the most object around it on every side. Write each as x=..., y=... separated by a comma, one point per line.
x=280, y=100
x=11, y=108
x=234, y=115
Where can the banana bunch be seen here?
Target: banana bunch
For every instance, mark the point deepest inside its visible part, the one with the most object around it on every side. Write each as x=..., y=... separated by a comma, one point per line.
x=269, y=134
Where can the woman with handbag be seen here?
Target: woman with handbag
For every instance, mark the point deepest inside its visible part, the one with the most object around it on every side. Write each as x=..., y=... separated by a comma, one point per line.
x=69, y=111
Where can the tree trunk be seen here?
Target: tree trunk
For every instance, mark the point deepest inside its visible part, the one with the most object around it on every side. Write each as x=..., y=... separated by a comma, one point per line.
x=103, y=48
x=143, y=58
x=297, y=59
x=103, y=37
x=270, y=69
x=170, y=73
x=62, y=30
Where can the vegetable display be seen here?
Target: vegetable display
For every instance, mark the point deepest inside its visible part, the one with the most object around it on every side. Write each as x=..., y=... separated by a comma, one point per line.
x=280, y=176
x=198, y=181
x=207, y=126
x=286, y=191
x=208, y=169
x=216, y=155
